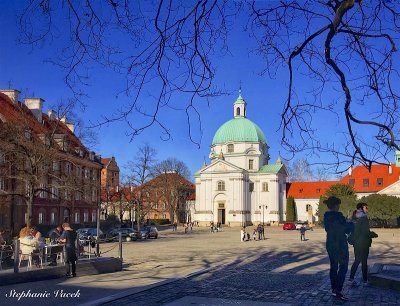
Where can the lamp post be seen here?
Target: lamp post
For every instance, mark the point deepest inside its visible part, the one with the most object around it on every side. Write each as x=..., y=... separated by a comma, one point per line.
x=263, y=207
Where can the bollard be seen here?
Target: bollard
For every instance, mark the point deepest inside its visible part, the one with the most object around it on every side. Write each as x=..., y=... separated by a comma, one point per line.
x=120, y=246
x=16, y=255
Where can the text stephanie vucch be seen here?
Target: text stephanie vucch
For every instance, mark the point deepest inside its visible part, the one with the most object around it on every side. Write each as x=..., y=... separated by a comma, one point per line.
x=62, y=294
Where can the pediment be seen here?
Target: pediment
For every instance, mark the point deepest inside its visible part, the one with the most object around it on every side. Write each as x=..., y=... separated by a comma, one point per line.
x=220, y=166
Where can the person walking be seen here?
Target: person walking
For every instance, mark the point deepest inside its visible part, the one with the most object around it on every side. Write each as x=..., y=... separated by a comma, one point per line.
x=259, y=230
x=336, y=228
x=302, y=233
x=68, y=237
x=362, y=239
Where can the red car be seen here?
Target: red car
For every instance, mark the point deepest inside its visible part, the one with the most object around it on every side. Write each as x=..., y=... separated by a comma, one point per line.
x=289, y=226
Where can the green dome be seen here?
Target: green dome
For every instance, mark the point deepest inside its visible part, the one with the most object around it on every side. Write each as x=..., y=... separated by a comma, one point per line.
x=239, y=130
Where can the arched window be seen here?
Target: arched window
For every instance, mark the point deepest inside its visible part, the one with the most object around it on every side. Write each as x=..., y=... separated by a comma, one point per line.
x=230, y=148
x=265, y=186
x=221, y=185
x=53, y=217
x=238, y=111
x=308, y=207
x=42, y=216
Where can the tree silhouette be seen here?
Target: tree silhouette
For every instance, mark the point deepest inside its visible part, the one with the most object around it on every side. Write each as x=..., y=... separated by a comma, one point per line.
x=337, y=55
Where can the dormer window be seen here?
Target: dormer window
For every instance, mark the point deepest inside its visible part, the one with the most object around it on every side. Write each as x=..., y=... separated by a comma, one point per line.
x=301, y=190
x=365, y=182
x=28, y=134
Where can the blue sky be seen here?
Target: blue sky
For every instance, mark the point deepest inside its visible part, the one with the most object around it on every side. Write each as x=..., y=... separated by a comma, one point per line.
x=27, y=70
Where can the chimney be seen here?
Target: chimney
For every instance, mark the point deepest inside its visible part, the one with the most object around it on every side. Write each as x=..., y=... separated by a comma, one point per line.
x=390, y=169
x=35, y=105
x=350, y=170
x=51, y=113
x=69, y=125
x=11, y=93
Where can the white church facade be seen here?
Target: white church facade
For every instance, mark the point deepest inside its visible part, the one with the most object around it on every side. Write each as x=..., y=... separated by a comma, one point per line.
x=239, y=186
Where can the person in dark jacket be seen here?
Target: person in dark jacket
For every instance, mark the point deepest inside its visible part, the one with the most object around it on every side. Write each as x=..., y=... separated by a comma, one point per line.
x=68, y=237
x=336, y=228
x=362, y=237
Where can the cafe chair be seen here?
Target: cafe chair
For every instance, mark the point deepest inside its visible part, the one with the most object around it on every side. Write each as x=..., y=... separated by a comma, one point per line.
x=30, y=259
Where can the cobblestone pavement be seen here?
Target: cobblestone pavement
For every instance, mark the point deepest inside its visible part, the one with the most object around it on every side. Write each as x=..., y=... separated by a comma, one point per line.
x=286, y=276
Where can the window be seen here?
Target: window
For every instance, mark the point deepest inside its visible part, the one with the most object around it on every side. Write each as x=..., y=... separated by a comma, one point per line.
x=379, y=181
x=2, y=158
x=78, y=196
x=77, y=219
x=78, y=171
x=66, y=215
x=42, y=193
x=301, y=190
x=53, y=218
x=230, y=148
x=28, y=134
x=238, y=111
x=264, y=186
x=164, y=216
x=42, y=215
x=156, y=206
x=221, y=185
x=2, y=183
x=318, y=190
x=54, y=192
x=365, y=182
x=94, y=195
x=93, y=216
x=251, y=187
x=251, y=162
x=86, y=216
x=308, y=207
x=56, y=165
x=351, y=182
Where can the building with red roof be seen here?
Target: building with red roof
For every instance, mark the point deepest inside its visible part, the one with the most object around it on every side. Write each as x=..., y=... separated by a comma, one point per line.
x=47, y=176
x=381, y=179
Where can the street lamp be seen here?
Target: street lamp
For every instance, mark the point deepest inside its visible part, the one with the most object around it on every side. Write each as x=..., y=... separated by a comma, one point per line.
x=263, y=207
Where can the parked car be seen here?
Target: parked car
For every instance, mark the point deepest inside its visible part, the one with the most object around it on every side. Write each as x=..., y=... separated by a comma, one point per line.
x=149, y=232
x=113, y=235
x=89, y=233
x=301, y=223
x=288, y=226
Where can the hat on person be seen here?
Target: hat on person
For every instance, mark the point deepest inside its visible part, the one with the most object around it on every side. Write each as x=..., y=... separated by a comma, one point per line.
x=332, y=201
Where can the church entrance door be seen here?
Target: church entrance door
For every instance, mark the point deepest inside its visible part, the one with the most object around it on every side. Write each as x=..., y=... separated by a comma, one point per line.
x=221, y=216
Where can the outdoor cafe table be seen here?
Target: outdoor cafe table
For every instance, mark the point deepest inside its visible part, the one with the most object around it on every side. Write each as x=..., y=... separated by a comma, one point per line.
x=50, y=249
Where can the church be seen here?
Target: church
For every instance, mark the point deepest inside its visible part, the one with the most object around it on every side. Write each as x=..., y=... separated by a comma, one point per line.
x=239, y=186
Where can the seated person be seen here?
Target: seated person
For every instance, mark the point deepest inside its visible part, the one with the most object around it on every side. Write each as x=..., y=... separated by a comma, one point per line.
x=28, y=244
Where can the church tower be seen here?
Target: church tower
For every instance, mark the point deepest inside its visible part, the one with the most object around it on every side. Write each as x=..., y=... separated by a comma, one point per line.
x=239, y=107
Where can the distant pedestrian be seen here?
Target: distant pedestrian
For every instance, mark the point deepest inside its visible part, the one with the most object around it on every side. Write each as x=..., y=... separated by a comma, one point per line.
x=259, y=231
x=255, y=234
x=185, y=227
x=68, y=237
x=212, y=227
x=336, y=229
x=302, y=233
x=362, y=239
x=242, y=234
